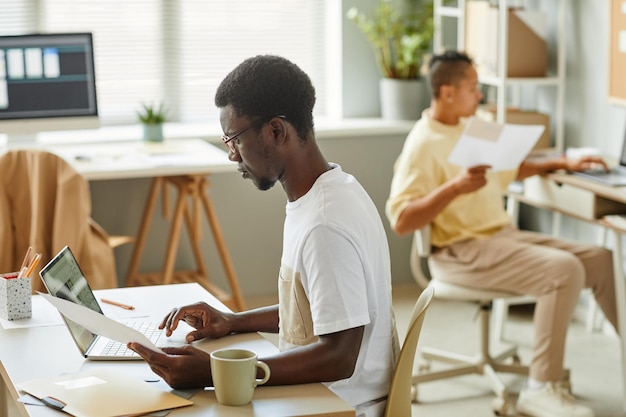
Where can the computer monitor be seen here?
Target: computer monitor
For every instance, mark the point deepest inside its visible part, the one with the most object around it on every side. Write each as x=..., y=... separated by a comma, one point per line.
x=47, y=82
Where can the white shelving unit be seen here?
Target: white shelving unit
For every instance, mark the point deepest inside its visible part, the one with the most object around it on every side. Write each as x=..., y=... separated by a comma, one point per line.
x=502, y=83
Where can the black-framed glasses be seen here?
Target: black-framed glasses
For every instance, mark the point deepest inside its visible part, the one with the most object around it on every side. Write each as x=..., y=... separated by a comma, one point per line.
x=233, y=141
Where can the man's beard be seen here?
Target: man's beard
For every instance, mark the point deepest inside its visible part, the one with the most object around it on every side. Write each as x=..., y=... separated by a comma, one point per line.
x=264, y=184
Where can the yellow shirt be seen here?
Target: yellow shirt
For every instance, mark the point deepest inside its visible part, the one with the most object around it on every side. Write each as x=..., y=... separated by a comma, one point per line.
x=423, y=166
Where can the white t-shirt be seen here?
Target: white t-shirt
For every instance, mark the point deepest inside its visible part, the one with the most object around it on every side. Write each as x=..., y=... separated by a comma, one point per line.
x=336, y=275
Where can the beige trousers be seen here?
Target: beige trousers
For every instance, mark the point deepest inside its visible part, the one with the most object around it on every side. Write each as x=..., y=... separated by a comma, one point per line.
x=529, y=263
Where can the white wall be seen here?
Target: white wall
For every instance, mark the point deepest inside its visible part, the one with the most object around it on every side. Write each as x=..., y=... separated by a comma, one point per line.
x=590, y=119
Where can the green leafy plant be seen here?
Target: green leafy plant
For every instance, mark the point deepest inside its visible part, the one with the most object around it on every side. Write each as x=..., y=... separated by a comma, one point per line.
x=400, y=37
x=151, y=114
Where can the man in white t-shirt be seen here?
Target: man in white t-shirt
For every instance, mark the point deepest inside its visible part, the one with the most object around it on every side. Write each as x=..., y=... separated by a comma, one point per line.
x=334, y=316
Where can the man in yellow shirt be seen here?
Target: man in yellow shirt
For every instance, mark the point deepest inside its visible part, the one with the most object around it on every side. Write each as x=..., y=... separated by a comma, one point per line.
x=475, y=243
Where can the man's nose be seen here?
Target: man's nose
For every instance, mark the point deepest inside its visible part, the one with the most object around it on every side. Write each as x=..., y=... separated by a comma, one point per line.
x=233, y=155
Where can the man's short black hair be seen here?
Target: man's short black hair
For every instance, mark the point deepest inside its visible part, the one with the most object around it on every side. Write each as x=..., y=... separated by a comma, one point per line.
x=265, y=86
x=447, y=69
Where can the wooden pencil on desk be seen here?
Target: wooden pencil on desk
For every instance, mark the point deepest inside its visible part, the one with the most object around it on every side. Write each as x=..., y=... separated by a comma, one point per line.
x=115, y=303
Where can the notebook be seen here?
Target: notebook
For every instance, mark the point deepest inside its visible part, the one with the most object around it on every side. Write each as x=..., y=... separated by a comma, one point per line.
x=615, y=177
x=64, y=279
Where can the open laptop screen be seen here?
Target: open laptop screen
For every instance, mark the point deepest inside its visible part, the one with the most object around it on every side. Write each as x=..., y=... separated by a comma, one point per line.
x=63, y=278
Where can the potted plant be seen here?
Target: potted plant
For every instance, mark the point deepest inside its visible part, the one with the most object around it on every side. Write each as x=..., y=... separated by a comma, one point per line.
x=400, y=36
x=152, y=118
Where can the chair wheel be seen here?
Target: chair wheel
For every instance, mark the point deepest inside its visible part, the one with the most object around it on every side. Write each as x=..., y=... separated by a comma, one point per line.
x=516, y=359
x=413, y=393
x=501, y=407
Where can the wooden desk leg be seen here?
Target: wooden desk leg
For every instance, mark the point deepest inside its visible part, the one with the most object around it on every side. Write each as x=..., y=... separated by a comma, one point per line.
x=172, y=244
x=144, y=228
x=4, y=405
x=221, y=246
x=194, y=236
x=189, y=187
x=7, y=393
x=620, y=298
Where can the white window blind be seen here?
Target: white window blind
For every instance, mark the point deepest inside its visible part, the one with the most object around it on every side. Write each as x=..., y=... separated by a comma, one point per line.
x=177, y=51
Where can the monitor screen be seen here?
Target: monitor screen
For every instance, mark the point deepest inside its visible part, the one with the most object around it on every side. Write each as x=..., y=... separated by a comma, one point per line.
x=47, y=82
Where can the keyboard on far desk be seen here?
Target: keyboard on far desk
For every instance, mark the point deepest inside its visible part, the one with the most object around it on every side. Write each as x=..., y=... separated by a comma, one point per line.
x=616, y=177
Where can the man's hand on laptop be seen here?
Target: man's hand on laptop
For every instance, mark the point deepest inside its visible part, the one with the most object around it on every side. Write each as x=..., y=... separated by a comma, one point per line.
x=182, y=367
x=208, y=321
x=586, y=163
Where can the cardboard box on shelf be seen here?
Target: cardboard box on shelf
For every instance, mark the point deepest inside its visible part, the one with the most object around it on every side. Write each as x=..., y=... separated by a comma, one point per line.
x=527, y=48
x=525, y=117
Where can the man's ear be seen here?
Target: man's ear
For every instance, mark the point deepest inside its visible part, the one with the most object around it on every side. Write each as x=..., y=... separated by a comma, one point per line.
x=446, y=93
x=279, y=129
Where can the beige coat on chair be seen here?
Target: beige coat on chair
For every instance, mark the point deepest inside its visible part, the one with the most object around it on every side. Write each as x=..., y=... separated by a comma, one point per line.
x=46, y=204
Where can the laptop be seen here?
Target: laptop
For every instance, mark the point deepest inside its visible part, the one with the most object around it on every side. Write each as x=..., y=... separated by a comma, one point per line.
x=64, y=279
x=616, y=177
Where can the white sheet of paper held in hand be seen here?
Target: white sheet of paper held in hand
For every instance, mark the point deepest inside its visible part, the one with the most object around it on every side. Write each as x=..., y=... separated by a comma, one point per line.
x=503, y=147
x=98, y=323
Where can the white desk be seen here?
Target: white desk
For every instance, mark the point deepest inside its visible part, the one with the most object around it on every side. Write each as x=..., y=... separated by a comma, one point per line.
x=39, y=352
x=138, y=159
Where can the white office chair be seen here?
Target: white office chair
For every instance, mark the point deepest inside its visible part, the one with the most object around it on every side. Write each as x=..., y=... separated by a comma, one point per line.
x=484, y=362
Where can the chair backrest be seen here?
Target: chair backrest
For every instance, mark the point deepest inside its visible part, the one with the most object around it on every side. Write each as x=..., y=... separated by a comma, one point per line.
x=46, y=204
x=399, y=399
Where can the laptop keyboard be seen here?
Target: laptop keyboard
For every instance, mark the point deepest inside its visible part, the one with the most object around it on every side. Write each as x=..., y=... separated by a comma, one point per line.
x=149, y=329
x=614, y=177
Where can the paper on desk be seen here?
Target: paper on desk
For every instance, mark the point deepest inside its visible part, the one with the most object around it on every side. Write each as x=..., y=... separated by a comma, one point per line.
x=43, y=315
x=98, y=323
x=503, y=147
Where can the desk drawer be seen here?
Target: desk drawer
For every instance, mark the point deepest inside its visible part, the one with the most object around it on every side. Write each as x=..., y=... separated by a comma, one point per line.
x=569, y=199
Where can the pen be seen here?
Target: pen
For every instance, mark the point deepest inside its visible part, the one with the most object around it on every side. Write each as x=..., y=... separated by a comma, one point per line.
x=115, y=303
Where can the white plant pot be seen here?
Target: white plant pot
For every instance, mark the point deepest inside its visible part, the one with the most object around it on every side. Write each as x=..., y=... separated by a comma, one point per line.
x=402, y=99
x=153, y=132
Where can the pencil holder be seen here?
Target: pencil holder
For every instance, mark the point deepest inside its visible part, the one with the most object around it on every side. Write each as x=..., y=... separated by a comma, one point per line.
x=15, y=297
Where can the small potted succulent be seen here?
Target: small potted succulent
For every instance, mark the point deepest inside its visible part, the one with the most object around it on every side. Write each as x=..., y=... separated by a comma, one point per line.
x=152, y=118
